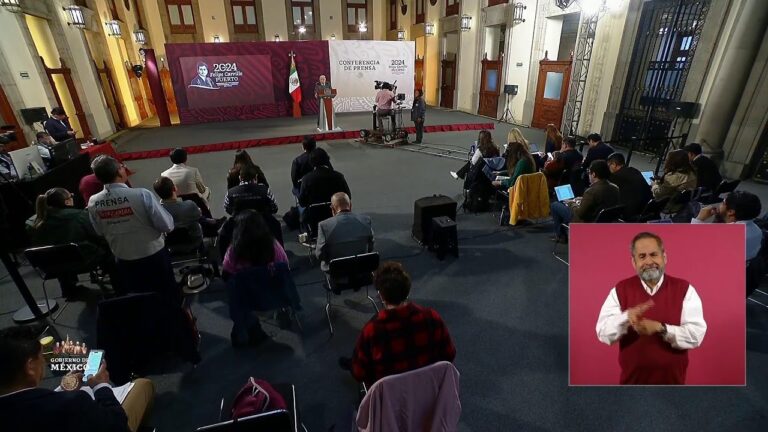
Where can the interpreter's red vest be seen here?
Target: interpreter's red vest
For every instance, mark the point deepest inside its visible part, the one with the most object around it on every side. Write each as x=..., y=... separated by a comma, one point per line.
x=650, y=359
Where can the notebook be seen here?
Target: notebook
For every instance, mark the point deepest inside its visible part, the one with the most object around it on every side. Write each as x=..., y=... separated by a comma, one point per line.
x=648, y=176
x=564, y=192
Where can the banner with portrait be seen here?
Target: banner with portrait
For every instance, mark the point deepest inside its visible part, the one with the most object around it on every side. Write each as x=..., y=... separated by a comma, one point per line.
x=356, y=65
x=215, y=81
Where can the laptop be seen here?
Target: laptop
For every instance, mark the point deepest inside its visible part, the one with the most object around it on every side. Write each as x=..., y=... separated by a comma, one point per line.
x=26, y=157
x=564, y=192
x=534, y=148
x=648, y=176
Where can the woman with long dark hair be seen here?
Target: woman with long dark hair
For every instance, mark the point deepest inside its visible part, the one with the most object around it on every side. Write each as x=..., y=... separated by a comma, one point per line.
x=252, y=244
x=486, y=148
x=242, y=158
x=58, y=222
x=519, y=162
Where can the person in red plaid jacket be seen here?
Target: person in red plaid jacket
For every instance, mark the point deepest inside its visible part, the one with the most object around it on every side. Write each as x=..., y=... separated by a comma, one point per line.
x=403, y=336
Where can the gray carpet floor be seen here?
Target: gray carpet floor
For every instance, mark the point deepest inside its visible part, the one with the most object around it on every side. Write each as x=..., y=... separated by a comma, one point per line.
x=505, y=301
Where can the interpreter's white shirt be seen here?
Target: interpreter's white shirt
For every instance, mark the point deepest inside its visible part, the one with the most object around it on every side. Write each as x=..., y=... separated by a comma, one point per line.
x=613, y=323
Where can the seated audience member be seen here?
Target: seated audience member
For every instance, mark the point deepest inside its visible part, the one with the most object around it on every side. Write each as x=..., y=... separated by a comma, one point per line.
x=707, y=174
x=738, y=207
x=679, y=175
x=401, y=337
x=90, y=406
x=7, y=168
x=554, y=139
x=345, y=234
x=186, y=178
x=600, y=195
x=243, y=159
x=134, y=224
x=565, y=166
x=186, y=214
x=89, y=186
x=56, y=223
x=58, y=126
x=301, y=166
x=486, y=148
x=252, y=246
x=250, y=194
x=519, y=162
x=319, y=185
x=45, y=144
x=633, y=189
x=598, y=150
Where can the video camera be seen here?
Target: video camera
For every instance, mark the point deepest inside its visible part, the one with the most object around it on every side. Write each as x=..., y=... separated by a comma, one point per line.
x=384, y=85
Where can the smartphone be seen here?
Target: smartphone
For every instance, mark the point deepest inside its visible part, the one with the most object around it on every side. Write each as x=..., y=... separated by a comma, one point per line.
x=92, y=366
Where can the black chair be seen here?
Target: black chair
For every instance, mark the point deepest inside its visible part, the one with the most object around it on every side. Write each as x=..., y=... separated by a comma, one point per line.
x=567, y=228
x=135, y=330
x=54, y=262
x=185, y=249
x=350, y=273
x=313, y=215
x=652, y=210
x=723, y=188
x=756, y=269
x=197, y=199
x=610, y=214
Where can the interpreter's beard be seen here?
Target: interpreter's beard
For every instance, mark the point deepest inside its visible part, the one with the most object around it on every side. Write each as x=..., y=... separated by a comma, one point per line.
x=651, y=274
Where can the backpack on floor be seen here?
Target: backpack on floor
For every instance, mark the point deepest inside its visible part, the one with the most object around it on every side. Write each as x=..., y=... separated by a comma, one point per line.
x=256, y=397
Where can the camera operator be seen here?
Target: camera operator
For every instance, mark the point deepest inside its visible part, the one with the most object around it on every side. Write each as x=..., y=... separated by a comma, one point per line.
x=384, y=99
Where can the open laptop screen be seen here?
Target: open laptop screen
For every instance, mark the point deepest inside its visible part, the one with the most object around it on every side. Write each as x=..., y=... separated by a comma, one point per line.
x=564, y=192
x=648, y=176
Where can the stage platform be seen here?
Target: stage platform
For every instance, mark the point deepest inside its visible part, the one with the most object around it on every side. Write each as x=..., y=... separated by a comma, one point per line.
x=148, y=143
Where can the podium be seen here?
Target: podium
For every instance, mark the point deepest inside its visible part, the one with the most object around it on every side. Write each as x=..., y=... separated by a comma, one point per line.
x=326, y=115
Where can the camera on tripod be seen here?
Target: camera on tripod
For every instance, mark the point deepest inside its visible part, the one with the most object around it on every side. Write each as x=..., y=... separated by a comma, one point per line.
x=384, y=85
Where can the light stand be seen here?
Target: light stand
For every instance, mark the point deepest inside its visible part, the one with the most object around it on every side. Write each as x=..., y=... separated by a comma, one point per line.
x=507, y=116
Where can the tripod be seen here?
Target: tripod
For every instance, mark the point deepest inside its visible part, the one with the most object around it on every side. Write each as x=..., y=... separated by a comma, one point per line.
x=507, y=116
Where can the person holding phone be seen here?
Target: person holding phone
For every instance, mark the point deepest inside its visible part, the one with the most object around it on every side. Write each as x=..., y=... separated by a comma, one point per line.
x=89, y=405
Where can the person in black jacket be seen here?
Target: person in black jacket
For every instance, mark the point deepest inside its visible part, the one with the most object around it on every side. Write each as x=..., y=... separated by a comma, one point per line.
x=58, y=126
x=250, y=194
x=92, y=406
x=634, y=191
x=598, y=150
x=319, y=185
x=707, y=174
x=301, y=166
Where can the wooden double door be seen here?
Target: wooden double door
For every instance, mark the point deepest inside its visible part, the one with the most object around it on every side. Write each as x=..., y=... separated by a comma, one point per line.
x=551, y=93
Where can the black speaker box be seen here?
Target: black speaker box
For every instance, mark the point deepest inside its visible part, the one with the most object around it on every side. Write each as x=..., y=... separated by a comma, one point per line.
x=686, y=110
x=424, y=209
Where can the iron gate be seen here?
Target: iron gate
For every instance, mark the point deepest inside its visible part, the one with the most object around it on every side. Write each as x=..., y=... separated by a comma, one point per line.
x=666, y=42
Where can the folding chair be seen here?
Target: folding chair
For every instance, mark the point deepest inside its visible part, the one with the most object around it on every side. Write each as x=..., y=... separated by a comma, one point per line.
x=313, y=215
x=350, y=273
x=53, y=262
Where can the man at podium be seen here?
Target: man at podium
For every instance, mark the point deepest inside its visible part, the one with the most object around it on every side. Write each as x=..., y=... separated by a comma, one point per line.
x=324, y=93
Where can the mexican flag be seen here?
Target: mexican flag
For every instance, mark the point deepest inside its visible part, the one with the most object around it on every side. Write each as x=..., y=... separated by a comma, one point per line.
x=294, y=87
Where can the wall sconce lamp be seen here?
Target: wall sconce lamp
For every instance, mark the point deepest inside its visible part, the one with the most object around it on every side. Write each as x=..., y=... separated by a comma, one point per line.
x=216, y=38
x=429, y=29
x=113, y=28
x=466, y=23
x=333, y=36
x=75, y=16
x=140, y=36
x=302, y=30
x=517, y=18
x=11, y=6
x=401, y=35
x=277, y=37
